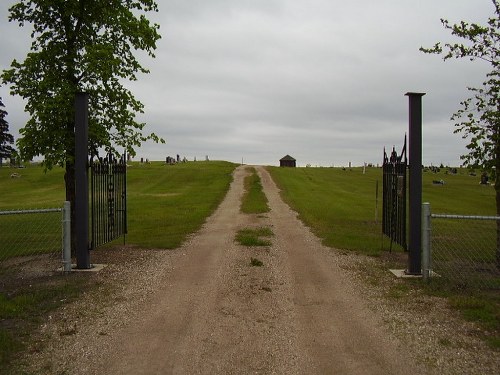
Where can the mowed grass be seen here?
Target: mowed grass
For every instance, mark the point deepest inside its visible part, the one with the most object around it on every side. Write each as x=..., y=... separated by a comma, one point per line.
x=341, y=206
x=33, y=189
x=254, y=200
x=165, y=203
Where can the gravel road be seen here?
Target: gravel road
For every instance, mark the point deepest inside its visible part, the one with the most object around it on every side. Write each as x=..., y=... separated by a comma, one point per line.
x=203, y=309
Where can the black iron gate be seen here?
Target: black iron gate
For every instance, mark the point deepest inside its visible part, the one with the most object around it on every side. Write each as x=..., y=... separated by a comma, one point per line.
x=108, y=191
x=394, y=194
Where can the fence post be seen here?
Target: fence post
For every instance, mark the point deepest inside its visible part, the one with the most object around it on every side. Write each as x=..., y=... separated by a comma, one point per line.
x=426, y=240
x=67, y=237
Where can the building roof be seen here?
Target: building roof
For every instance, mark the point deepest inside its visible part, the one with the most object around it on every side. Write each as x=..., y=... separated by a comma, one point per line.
x=287, y=158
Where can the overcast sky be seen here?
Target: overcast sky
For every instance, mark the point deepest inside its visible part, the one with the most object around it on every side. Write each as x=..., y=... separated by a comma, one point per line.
x=321, y=80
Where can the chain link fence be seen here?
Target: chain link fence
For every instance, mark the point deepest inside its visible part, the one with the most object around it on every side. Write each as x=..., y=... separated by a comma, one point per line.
x=464, y=250
x=28, y=233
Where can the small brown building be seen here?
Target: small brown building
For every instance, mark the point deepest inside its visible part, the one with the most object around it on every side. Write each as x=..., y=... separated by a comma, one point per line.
x=287, y=161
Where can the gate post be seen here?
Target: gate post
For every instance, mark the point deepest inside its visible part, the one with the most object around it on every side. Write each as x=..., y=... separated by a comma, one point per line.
x=415, y=153
x=426, y=241
x=67, y=237
x=81, y=181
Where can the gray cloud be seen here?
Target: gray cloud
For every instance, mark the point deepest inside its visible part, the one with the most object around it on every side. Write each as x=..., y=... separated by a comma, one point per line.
x=321, y=80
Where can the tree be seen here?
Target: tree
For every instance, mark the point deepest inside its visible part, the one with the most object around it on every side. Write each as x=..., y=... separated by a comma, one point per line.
x=479, y=117
x=80, y=45
x=6, y=139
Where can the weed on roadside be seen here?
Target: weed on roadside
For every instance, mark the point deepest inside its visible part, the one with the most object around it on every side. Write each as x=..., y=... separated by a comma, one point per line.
x=252, y=237
x=254, y=262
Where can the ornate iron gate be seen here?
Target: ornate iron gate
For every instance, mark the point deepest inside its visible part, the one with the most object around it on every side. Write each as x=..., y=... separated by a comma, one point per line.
x=108, y=189
x=394, y=194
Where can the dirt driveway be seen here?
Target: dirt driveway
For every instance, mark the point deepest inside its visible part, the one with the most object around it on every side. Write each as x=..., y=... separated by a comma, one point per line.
x=203, y=309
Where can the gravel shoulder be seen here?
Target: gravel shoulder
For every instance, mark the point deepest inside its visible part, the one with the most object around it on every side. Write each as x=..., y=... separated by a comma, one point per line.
x=203, y=309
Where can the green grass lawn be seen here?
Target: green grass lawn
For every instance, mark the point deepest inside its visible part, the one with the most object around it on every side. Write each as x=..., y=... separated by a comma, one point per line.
x=165, y=203
x=341, y=206
x=33, y=189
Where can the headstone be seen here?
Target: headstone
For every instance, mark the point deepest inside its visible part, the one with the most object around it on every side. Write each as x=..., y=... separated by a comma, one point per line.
x=484, y=178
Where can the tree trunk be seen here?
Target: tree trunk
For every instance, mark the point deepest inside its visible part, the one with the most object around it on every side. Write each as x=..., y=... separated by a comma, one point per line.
x=497, y=198
x=496, y=139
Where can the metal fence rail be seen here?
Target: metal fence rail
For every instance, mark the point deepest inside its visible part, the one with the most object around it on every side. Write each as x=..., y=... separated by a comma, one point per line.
x=463, y=250
x=34, y=232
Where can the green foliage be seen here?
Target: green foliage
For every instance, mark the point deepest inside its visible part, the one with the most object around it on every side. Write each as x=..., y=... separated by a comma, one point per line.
x=80, y=46
x=252, y=236
x=479, y=117
x=6, y=139
x=340, y=205
x=254, y=200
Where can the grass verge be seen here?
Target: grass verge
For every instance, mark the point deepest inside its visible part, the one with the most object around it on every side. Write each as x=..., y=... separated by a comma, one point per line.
x=479, y=306
x=254, y=200
x=22, y=310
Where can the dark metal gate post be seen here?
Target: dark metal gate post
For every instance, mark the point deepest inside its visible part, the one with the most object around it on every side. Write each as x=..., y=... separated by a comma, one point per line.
x=81, y=182
x=415, y=153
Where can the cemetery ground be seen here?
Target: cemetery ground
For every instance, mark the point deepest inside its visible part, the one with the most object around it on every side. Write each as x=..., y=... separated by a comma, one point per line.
x=76, y=319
